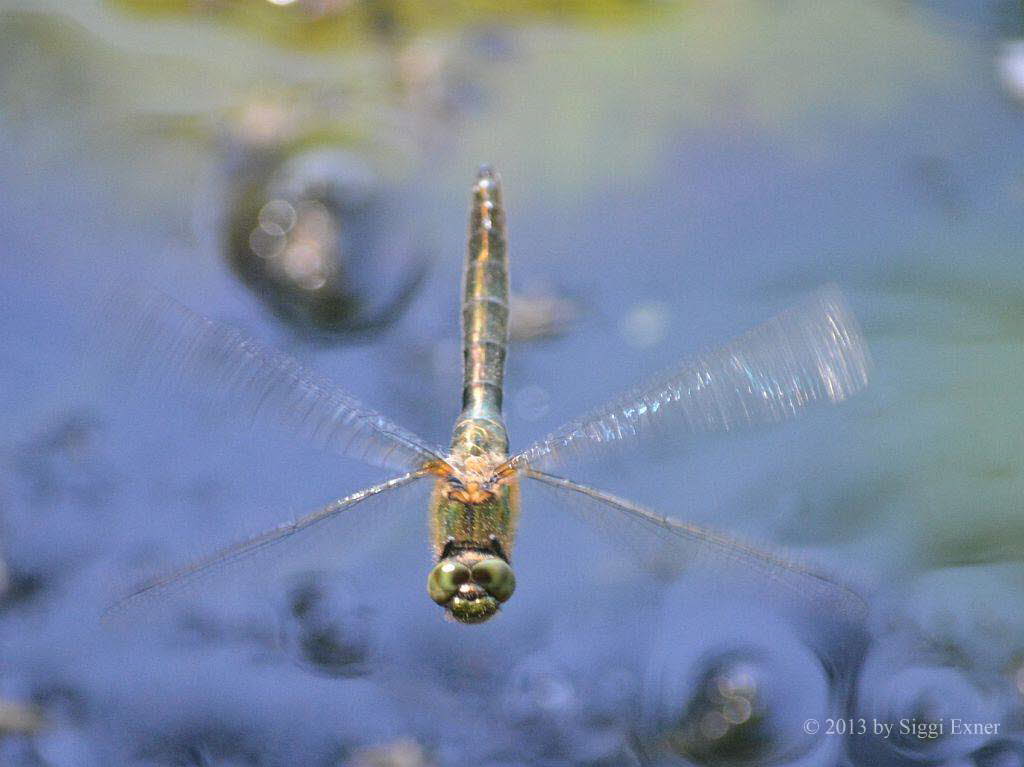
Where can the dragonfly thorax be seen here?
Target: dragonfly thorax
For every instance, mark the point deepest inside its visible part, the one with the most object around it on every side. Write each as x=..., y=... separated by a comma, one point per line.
x=468, y=493
x=474, y=479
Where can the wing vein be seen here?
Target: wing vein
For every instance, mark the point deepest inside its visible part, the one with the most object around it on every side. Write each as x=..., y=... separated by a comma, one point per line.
x=220, y=368
x=796, y=576
x=814, y=352
x=249, y=546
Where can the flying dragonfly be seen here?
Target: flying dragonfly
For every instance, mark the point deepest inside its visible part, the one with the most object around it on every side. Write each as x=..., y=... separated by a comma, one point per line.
x=812, y=353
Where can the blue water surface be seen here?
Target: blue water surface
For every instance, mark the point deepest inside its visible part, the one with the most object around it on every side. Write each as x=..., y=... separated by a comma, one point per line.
x=675, y=176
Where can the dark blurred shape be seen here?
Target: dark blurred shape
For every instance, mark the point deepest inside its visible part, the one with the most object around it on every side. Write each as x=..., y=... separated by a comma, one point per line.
x=316, y=236
x=732, y=684
x=569, y=715
x=930, y=697
x=209, y=746
x=62, y=703
x=58, y=465
x=919, y=697
x=725, y=720
x=327, y=628
x=20, y=587
x=936, y=179
x=542, y=699
x=729, y=717
x=59, y=476
x=5, y=575
x=1004, y=752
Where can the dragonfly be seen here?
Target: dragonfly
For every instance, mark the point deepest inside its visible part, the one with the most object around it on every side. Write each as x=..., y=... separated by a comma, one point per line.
x=813, y=353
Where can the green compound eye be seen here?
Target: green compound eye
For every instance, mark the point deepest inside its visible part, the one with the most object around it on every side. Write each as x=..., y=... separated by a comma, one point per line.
x=496, y=577
x=445, y=579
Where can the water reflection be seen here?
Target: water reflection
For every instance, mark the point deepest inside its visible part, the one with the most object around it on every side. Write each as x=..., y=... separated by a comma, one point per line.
x=1004, y=752
x=322, y=241
x=916, y=707
x=733, y=696
x=540, y=315
x=561, y=711
x=18, y=718
x=939, y=677
x=59, y=476
x=401, y=753
x=842, y=142
x=1010, y=68
x=327, y=628
x=726, y=719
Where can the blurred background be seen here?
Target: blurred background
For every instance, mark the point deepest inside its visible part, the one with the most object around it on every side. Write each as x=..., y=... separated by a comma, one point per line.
x=674, y=172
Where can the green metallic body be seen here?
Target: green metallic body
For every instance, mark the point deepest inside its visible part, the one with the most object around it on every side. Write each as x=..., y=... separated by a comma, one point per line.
x=480, y=442
x=484, y=322
x=489, y=525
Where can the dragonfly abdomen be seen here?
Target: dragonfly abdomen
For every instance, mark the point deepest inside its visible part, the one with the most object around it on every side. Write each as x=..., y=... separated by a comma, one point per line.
x=485, y=302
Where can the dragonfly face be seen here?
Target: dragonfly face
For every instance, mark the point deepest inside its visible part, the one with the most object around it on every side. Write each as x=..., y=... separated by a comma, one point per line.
x=471, y=584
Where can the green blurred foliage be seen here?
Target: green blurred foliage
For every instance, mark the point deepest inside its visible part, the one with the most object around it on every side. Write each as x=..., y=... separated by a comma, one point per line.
x=323, y=24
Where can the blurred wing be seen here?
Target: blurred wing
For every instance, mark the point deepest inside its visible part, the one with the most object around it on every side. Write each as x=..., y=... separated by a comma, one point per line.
x=317, y=540
x=222, y=368
x=811, y=353
x=767, y=574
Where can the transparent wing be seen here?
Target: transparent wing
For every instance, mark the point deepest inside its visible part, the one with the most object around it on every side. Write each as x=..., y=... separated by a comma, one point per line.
x=218, y=367
x=326, y=538
x=762, y=572
x=811, y=353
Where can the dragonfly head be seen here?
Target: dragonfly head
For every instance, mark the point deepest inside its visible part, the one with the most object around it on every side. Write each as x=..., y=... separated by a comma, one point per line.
x=471, y=585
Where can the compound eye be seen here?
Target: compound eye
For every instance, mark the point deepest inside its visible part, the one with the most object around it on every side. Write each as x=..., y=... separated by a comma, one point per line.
x=496, y=577
x=444, y=580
